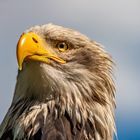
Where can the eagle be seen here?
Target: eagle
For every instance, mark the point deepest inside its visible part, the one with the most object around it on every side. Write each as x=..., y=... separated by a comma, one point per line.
x=65, y=88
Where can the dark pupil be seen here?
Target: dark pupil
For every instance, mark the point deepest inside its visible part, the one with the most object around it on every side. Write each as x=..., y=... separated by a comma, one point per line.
x=61, y=46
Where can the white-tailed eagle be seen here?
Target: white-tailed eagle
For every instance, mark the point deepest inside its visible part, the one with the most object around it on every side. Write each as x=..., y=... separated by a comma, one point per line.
x=64, y=89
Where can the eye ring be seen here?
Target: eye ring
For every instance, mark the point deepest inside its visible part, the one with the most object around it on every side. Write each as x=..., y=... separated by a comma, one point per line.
x=62, y=46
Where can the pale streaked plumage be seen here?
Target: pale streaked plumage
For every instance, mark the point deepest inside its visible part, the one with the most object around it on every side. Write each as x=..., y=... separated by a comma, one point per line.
x=82, y=88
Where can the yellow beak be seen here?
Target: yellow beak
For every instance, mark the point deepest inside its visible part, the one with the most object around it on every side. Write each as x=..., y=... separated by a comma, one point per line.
x=32, y=46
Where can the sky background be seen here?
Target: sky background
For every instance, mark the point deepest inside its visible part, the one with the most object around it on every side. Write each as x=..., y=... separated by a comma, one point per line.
x=115, y=24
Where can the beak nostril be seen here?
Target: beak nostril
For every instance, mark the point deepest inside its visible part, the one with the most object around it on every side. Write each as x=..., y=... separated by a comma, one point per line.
x=34, y=40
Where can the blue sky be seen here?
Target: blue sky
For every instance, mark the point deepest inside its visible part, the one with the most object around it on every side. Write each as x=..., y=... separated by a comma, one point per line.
x=115, y=24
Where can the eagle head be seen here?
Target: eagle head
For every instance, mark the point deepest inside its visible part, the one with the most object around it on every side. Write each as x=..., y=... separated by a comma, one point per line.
x=64, y=73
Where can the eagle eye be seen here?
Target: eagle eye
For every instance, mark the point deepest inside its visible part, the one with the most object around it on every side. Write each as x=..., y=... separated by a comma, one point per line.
x=62, y=46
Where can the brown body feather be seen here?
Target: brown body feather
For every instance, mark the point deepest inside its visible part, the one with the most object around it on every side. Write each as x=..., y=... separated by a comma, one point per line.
x=74, y=101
